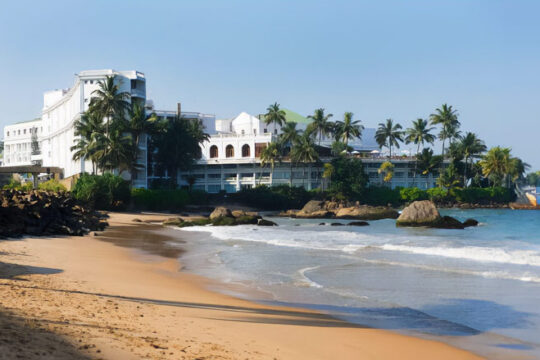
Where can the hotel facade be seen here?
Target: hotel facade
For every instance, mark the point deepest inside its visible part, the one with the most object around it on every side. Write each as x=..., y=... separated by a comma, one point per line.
x=230, y=158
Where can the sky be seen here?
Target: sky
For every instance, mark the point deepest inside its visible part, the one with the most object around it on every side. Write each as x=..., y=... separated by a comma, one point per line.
x=378, y=59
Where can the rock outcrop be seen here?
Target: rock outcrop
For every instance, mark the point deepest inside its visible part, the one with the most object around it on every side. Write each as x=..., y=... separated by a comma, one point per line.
x=42, y=213
x=221, y=211
x=316, y=209
x=424, y=213
x=365, y=212
x=222, y=216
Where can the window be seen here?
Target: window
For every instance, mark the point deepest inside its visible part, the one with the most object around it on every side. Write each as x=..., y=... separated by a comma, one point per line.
x=265, y=130
x=243, y=132
x=214, y=151
x=214, y=188
x=259, y=147
x=214, y=176
x=229, y=151
x=275, y=131
x=18, y=132
x=254, y=131
x=8, y=133
x=246, y=151
x=133, y=84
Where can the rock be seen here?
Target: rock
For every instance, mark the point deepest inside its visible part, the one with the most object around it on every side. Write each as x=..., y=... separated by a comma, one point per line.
x=173, y=221
x=247, y=220
x=312, y=206
x=264, y=222
x=322, y=224
x=223, y=221
x=240, y=213
x=470, y=222
x=220, y=212
x=318, y=214
x=137, y=220
x=289, y=213
x=419, y=213
x=364, y=212
x=448, y=222
x=336, y=224
x=358, y=223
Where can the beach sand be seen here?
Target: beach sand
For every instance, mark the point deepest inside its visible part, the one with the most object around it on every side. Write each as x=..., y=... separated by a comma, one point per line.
x=100, y=298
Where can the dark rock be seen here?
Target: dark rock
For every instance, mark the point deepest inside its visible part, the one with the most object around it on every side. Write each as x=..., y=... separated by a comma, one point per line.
x=264, y=222
x=223, y=221
x=322, y=223
x=358, y=223
x=220, y=212
x=470, y=222
x=137, y=220
x=247, y=220
x=173, y=221
x=448, y=222
x=336, y=224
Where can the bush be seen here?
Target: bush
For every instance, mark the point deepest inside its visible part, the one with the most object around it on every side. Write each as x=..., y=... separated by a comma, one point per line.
x=413, y=194
x=16, y=185
x=103, y=192
x=382, y=196
x=172, y=200
x=489, y=195
x=437, y=194
x=52, y=185
x=279, y=197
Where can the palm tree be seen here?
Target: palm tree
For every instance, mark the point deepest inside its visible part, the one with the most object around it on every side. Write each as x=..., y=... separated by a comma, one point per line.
x=270, y=155
x=320, y=124
x=348, y=129
x=419, y=134
x=86, y=131
x=327, y=174
x=139, y=123
x=304, y=152
x=274, y=115
x=496, y=164
x=289, y=134
x=114, y=150
x=387, y=169
x=389, y=135
x=427, y=163
x=448, y=119
x=472, y=147
x=108, y=101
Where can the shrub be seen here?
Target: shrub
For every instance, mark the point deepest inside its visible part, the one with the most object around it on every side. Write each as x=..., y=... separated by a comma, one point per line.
x=103, y=192
x=146, y=199
x=279, y=197
x=52, y=185
x=485, y=195
x=412, y=194
x=382, y=196
x=16, y=185
x=437, y=194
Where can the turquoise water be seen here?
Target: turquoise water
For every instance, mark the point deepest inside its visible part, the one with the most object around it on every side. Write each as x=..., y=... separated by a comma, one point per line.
x=478, y=288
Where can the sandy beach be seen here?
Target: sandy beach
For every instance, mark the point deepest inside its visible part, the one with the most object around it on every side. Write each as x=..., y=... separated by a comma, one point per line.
x=102, y=297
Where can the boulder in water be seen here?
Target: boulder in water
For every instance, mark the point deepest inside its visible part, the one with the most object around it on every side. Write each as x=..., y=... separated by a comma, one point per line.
x=219, y=212
x=358, y=223
x=419, y=213
x=470, y=222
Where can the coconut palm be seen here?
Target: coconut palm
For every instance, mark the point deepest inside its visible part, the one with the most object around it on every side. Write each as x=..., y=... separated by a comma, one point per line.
x=472, y=147
x=303, y=151
x=270, y=155
x=496, y=164
x=108, y=101
x=289, y=134
x=113, y=151
x=348, y=129
x=86, y=130
x=448, y=119
x=274, y=115
x=389, y=134
x=427, y=163
x=419, y=134
x=320, y=124
x=328, y=172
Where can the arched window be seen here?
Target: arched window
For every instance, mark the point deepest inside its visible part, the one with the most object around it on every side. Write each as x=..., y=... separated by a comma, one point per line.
x=214, y=151
x=246, y=151
x=229, y=151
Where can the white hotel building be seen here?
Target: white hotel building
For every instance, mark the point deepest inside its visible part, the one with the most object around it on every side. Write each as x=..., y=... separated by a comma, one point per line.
x=230, y=159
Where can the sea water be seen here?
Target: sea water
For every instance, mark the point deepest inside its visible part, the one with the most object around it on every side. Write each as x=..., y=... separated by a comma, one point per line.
x=478, y=288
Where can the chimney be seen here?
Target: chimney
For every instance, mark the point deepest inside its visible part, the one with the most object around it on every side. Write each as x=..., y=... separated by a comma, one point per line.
x=179, y=109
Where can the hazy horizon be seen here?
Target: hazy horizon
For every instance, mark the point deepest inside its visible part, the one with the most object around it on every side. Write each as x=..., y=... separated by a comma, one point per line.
x=381, y=60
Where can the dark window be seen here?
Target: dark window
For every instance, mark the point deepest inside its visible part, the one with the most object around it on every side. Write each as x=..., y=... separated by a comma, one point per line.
x=133, y=84
x=229, y=151
x=214, y=151
x=246, y=151
x=259, y=147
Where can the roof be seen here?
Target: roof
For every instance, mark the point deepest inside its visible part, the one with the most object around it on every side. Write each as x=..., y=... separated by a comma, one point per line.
x=27, y=121
x=292, y=116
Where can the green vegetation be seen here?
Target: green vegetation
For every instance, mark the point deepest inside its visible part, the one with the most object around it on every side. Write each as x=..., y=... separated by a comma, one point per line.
x=17, y=185
x=273, y=198
x=166, y=199
x=102, y=192
x=389, y=135
x=52, y=185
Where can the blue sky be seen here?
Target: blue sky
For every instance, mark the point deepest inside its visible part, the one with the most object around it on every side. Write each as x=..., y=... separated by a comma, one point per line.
x=378, y=59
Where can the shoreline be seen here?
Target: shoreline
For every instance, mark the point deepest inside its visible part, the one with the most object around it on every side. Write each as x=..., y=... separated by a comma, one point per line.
x=96, y=297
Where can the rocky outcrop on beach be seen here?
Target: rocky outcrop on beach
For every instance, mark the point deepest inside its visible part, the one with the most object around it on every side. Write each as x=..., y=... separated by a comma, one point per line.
x=424, y=213
x=43, y=213
x=222, y=216
x=316, y=209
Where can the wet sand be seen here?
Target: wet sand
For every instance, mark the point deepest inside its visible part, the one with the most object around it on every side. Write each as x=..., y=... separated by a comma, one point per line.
x=120, y=295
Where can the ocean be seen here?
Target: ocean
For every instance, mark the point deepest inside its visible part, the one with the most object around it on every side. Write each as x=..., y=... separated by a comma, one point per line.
x=478, y=288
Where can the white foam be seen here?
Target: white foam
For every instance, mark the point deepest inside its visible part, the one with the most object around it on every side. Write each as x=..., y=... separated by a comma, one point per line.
x=474, y=253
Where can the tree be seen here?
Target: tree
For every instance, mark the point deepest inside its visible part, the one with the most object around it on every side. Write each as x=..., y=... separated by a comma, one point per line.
x=427, y=163
x=274, y=115
x=472, y=147
x=339, y=148
x=328, y=171
x=303, y=151
x=110, y=103
x=289, y=135
x=449, y=178
x=387, y=169
x=419, y=134
x=113, y=150
x=496, y=164
x=448, y=119
x=348, y=129
x=533, y=179
x=348, y=177
x=270, y=155
x=320, y=125
x=88, y=131
x=138, y=124
x=389, y=135
x=178, y=145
